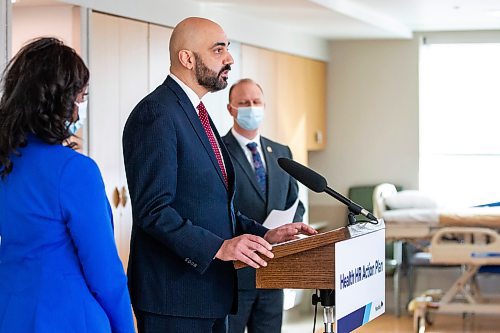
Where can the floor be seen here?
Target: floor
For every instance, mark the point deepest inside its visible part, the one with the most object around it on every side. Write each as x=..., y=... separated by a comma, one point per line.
x=441, y=324
x=300, y=318
x=388, y=323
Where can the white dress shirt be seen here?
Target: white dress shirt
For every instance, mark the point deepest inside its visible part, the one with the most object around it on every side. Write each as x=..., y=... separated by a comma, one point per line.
x=193, y=97
x=243, y=144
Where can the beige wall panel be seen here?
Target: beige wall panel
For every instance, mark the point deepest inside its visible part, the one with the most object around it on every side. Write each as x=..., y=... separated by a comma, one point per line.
x=260, y=65
x=159, y=55
x=134, y=85
x=104, y=121
x=119, y=80
x=29, y=22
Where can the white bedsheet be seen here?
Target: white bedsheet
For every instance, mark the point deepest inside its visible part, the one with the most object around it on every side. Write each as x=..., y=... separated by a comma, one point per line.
x=427, y=216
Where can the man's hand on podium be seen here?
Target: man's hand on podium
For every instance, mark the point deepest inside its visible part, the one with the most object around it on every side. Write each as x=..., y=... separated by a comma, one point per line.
x=288, y=232
x=245, y=248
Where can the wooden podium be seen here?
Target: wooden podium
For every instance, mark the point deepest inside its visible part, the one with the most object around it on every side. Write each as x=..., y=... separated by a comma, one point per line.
x=307, y=263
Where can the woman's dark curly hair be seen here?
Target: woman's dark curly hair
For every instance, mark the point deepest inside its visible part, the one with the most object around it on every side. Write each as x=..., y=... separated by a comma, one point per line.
x=40, y=87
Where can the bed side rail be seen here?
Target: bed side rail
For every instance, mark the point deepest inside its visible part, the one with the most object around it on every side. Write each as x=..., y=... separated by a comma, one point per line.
x=462, y=245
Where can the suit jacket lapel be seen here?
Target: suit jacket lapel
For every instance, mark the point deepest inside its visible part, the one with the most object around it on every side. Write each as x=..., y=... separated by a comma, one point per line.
x=240, y=158
x=191, y=114
x=273, y=175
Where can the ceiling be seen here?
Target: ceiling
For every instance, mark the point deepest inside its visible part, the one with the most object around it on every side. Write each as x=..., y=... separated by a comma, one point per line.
x=358, y=19
x=362, y=19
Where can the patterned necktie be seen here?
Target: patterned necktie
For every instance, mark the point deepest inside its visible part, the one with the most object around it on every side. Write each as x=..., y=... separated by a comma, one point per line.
x=260, y=171
x=203, y=114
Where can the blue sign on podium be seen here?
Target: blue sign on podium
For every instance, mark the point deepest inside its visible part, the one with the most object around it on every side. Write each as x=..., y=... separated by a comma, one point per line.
x=359, y=279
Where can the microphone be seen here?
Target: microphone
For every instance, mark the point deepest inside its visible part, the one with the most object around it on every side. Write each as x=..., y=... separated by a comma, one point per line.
x=317, y=183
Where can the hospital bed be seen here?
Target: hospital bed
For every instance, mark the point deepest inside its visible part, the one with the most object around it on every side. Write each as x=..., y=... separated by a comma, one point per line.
x=467, y=237
x=423, y=222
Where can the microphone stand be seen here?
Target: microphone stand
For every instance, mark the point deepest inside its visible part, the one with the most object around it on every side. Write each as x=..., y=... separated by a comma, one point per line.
x=351, y=218
x=327, y=299
x=353, y=208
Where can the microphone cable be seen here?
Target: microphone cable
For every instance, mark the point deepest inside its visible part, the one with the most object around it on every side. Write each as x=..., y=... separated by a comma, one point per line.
x=366, y=221
x=315, y=310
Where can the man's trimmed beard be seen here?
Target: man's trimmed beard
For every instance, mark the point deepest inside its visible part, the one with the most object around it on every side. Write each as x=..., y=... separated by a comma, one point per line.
x=208, y=78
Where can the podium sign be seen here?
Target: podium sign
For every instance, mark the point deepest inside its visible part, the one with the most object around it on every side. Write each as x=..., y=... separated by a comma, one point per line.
x=359, y=280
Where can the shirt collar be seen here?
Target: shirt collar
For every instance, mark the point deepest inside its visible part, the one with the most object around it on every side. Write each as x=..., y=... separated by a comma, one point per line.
x=193, y=97
x=244, y=141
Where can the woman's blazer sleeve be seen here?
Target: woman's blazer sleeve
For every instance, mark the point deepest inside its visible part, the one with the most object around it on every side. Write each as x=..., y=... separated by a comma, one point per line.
x=85, y=207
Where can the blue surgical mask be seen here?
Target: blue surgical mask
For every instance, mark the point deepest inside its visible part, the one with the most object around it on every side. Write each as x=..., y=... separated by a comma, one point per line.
x=250, y=117
x=82, y=116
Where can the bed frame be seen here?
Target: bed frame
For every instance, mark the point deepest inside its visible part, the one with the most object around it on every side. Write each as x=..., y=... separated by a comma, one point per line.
x=472, y=248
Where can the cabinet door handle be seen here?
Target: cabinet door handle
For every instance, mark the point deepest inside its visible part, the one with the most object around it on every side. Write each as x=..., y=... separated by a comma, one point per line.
x=116, y=197
x=319, y=137
x=124, y=196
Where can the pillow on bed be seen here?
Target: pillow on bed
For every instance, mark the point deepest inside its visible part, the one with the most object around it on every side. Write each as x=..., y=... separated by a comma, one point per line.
x=409, y=199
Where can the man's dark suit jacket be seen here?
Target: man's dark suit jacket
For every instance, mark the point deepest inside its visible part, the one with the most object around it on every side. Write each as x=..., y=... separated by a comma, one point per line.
x=282, y=189
x=182, y=211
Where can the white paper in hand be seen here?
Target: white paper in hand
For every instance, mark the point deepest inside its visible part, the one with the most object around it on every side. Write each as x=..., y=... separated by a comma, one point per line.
x=279, y=217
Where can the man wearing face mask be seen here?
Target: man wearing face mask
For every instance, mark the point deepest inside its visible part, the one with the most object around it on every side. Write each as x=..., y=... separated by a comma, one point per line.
x=261, y=187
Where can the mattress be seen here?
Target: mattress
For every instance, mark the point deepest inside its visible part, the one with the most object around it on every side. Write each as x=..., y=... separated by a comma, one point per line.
x=465, y=217
x=411, y=224
x=471, y=217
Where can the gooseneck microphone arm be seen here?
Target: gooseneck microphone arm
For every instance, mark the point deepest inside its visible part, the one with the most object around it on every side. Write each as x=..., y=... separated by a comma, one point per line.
x=317, y=183
x=351, y=205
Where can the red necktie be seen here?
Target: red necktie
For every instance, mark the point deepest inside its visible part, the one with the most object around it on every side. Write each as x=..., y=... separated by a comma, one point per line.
x=203, y=114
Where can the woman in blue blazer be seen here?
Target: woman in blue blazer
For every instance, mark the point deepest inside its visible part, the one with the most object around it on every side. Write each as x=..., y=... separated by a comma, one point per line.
x=59, y=267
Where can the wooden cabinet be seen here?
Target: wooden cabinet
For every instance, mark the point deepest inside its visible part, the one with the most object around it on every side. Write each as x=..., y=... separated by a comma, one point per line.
x=315, y=92
x=119, y=79
x=295, y=94
x=292, y=103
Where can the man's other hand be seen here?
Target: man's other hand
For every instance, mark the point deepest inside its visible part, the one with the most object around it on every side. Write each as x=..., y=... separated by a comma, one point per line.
x=288, y=232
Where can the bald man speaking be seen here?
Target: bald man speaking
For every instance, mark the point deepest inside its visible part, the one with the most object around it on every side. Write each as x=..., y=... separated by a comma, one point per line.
x=185, y=231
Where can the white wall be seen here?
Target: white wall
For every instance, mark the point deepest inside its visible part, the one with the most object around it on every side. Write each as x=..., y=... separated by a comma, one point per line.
x=246, y=29
x=372, y=119
x=5, y=13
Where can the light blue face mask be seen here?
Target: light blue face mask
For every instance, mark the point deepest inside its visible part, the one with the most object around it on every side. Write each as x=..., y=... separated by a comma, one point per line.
x=82, y=116
x=250, y=117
